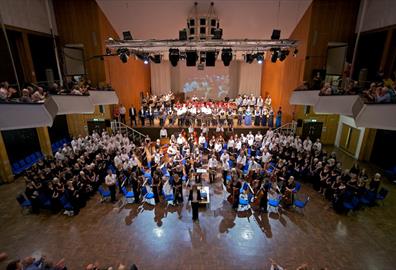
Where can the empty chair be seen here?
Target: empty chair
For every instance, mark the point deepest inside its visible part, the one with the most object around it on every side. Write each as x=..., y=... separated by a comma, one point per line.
x=382, y=193
x=300, y=202
x=275, y=202
x=243, y=202
x=28, y=161
x=16, y=168
x=148, y=196
x=38, y=155
x=129, y=196
x=104, y=194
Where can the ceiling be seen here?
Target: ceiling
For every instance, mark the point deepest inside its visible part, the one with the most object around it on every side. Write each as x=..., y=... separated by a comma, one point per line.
x=162, y=19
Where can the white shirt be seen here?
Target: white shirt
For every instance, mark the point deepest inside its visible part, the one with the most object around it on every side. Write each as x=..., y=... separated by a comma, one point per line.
x=212, y=163
x=163, y=133
x=201, y=140
x=110, y=180
x=122, y=110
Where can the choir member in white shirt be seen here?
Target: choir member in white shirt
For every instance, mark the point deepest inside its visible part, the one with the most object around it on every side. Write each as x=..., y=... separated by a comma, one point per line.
x=110, y=181
x=163, y=133
x=212, y=165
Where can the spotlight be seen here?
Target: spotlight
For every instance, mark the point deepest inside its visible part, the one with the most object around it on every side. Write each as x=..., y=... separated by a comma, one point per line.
x=295, y=52
x=156, y=58
x=282, y=55
x=144, y=57
x=260, y=58
x=226, y=56
x=274, y=56
x=191, y=58
x=127, y=35
x=210, y=58
x=174, y=56
x=124, y=54
x=249, y=58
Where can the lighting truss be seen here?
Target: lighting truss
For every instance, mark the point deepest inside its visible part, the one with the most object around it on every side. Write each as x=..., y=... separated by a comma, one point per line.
x=153, y=46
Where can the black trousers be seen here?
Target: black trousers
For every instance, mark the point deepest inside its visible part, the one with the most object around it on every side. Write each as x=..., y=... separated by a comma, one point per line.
x=225, y=173
x=194, y=206
x=212, y=175
x=142, y=120
x=122, y=117
x=133, y=120
x=113, y=193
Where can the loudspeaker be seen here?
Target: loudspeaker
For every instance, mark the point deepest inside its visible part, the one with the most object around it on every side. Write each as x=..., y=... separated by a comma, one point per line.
x=210, y=59
x=275, y=34
x=299, y=122
x=217, y=33
x=127, y=35
x=183, y=34
x=107, y=123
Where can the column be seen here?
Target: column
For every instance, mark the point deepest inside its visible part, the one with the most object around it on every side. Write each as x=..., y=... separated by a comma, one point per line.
x=6, y=173
x=45, y=142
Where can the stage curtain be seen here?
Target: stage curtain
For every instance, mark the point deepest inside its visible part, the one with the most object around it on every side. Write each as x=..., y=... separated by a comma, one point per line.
x=160, y=78
x=250, y=78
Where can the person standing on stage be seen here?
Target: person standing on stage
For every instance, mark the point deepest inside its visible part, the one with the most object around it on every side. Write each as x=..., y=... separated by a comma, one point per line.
x=110, y=181
x=142, y=115
x=122, y=113
x=194, y=197
x=132, y=115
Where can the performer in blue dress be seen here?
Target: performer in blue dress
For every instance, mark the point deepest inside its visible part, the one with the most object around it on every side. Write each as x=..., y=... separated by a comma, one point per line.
x=278, y=121
x=271, y=118
x=248, y=117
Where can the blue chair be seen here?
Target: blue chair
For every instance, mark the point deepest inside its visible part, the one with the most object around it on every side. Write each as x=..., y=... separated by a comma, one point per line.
x=228, y=178
x=230, y=163
x=65, y=203
x=38, y=155
x=382, y=195
x=297, y=187
x=45, y=201
x=301, y=202
x=104, y=194
x=24, y=203
x=129, y=196
x=275, y=202
x=368, y=198
x=351, y=204
x=23, y=165
x=29, y=161
x=16, y=168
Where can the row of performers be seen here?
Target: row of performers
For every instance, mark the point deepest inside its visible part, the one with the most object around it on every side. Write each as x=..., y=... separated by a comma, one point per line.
x=212, y=116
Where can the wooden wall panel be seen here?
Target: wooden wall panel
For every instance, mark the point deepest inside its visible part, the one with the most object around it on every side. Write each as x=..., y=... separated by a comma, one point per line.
x=281, y=78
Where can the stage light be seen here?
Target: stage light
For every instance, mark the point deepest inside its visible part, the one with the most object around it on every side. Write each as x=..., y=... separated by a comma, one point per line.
x=249, y=58
x=156, y=58
x=174, y=56
x=127, y=35
x=191, y=58
x=283, y=54
x=295, y=52
x=144, y=57
x=210, y=58
x=260, y=58
x=226, y=56
x=274, y=56
x=124, y=54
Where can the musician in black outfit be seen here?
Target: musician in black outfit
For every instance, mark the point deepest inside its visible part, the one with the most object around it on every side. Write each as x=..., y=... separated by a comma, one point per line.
x=132, y=115
x=194, y=197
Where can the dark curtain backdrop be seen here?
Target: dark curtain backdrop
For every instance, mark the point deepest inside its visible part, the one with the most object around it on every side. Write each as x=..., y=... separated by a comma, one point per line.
x=59, y=129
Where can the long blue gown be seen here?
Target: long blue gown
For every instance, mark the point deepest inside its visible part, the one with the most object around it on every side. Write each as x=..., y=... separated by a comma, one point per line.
x=248, y=118
x=278, y=121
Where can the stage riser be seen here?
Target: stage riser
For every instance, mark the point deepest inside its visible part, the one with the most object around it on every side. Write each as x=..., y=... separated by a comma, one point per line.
x=154, y=132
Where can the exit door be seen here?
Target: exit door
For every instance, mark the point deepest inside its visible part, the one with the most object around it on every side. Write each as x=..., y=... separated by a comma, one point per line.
x=313, y=130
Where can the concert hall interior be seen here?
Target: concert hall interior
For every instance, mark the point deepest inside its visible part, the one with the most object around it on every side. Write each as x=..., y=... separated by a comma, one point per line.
x=185, y=134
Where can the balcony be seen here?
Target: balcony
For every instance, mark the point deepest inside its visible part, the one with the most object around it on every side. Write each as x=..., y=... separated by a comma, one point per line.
x=304, y=97
x=27, y=115
x=349, y=105
x=103, y=97
x=68, y=104
x=379, y=116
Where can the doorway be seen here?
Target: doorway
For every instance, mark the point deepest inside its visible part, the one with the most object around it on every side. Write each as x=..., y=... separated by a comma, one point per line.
x=313, y=130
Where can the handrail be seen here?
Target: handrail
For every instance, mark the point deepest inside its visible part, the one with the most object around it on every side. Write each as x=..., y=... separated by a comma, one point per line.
x=288, y=126
x=118, y=126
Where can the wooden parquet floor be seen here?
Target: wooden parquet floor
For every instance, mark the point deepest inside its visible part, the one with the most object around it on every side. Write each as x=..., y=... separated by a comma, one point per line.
x=166, y=238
